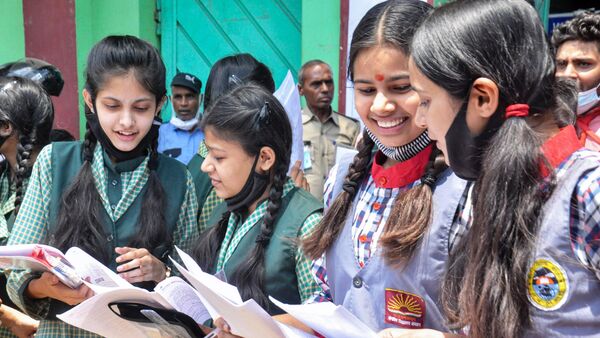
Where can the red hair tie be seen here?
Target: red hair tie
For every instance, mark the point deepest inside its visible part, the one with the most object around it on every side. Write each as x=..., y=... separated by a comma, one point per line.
x=517, y=110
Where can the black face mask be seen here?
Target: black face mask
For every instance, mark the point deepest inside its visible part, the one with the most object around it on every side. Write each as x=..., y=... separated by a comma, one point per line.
x=255, y=186
x=140, y=150
x=465, y=152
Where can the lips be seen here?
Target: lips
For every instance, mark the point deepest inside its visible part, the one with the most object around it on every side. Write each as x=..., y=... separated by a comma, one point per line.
x=386, y=124
x=126, y=136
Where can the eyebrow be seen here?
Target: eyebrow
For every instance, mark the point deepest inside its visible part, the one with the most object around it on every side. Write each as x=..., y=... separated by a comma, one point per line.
x=143, y=99
x=213, y=147
x=389, y=79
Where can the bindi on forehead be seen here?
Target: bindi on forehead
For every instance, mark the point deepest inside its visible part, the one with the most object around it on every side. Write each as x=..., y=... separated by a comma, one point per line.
x=379, y=77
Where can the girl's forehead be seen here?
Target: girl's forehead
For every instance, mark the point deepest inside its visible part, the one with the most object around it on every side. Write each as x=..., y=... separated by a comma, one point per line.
x=124, y=87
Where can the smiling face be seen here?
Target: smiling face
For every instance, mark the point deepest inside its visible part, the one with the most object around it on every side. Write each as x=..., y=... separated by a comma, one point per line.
x=227, y=164
x=383, y=95
x=125, y=110
x=437, y=109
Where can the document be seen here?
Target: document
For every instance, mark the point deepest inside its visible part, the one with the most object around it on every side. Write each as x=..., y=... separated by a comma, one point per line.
x=328, y=319
x=95, y=315
x=246, y=319
x=73, y=268
x=289, y=97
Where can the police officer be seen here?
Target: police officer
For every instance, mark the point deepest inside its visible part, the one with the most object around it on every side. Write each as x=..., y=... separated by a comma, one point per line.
x=324, y=130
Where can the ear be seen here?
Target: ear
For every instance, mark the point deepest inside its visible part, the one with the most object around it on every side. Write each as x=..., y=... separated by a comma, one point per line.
x=482, y=104
x=266, y=159
x=6, y=129
x=300, y=90
x=87, y=98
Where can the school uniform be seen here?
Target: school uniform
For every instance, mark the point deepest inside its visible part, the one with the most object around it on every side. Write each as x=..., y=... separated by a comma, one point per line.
x=353, y=271
x=121, y=187
x=206, y=195
x=7, y=208
x=589, y=125
x=563, y=279
x=287, y=271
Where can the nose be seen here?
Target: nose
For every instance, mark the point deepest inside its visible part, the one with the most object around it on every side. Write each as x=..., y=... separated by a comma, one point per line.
x=570, y=71
x=207, y=165
x=420, y=120
x=381, y=104
x=184, y=101
x=324, y=87
x=126, y=118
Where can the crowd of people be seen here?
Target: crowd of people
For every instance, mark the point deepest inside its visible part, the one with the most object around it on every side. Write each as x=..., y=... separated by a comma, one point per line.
x=463, y=204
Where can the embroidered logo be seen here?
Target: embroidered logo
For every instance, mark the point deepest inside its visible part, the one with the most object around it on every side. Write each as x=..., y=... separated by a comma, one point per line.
x=404, y=309
x=548, y=285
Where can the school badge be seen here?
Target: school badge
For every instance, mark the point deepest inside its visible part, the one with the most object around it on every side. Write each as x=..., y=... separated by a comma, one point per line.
x=548, y=285
x=404, y=309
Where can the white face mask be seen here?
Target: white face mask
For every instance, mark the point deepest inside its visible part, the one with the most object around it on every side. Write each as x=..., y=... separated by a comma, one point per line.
x=587, y=100
x=184, y=125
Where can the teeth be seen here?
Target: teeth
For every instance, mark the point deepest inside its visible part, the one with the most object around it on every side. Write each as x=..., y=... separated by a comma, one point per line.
x=126, y=133
x=392, y=123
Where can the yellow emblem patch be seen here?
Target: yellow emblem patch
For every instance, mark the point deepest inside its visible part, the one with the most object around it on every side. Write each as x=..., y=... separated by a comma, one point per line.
x=548, y=285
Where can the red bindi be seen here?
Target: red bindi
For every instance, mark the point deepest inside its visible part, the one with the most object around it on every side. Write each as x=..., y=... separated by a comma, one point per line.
x=379, y=77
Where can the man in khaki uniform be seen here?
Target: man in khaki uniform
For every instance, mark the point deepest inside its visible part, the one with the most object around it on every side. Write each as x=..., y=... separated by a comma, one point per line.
x=324, y=130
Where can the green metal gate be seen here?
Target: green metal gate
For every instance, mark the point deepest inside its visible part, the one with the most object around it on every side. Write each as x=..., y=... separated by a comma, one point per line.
x=197, y=33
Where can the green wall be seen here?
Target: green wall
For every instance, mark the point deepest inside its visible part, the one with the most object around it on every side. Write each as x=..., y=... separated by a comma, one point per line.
x=96, y=19
x=12, y=32
x=321, y=36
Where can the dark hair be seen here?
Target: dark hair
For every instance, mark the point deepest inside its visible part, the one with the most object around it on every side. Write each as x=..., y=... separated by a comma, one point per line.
x=391, y=23
x=225, y=74
x=307, y=65
x=39, y=71
x=58, y=135
x=239, y=116
x=503, y=41
x=584, y=27
x=79, y=221
x=29, y=111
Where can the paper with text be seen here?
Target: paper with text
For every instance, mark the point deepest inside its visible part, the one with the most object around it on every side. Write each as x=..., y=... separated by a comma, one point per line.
x=328, y=319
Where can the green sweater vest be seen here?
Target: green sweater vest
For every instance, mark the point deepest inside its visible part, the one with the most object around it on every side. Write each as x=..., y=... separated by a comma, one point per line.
x=280, y=278
x=67, y=158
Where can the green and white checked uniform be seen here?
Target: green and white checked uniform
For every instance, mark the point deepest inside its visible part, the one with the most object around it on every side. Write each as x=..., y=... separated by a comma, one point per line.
x=31, y=226
x=212, y=200
x=307, y=285
x=7, y=207
x=7, y=204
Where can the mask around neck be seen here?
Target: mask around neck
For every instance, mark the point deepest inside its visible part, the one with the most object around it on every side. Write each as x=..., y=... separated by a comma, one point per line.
x=587, y=100
x=465, y=151
x=255, y=186
x=184, y=125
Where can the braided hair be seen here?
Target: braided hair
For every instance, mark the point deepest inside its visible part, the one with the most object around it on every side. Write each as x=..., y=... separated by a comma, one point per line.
x=411, y=213
x=79, y=222
x=230, y=117
x=29, y=111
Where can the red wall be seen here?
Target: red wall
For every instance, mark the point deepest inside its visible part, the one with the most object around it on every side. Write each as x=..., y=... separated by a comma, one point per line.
x=50, y=36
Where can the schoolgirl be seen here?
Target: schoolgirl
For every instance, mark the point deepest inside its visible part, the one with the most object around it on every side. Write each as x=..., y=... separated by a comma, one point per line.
x=383, y=241
x=529, y=265
x=26, y=117
x=254, y=242
x=112, y=195
x=225, y=74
